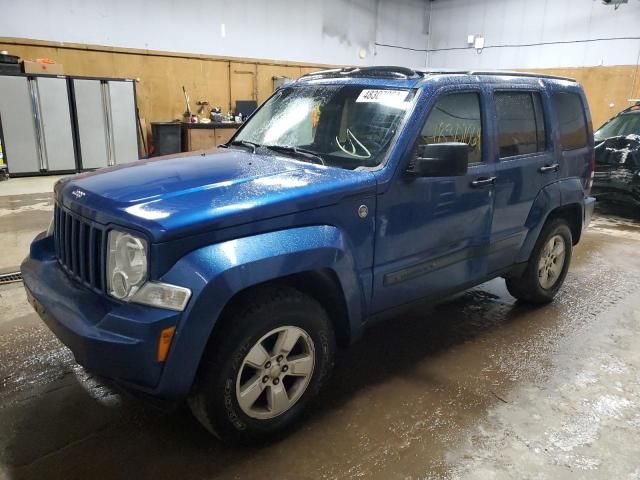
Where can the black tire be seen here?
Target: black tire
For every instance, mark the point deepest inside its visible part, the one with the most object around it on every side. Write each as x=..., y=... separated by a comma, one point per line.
x=527, y=287
x=214, y=402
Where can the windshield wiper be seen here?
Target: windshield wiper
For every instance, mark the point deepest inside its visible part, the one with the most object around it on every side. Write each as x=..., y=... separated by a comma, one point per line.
x=245, y=143
x=298, y=151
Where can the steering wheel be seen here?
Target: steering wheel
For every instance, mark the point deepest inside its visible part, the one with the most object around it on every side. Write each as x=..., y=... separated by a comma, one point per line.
x=351, y=146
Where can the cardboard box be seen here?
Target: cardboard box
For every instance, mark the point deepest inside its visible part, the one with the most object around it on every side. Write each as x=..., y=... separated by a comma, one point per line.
x=47, y=68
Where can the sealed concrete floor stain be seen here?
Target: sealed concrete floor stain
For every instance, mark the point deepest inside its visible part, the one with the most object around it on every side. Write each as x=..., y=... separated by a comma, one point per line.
x=477, y=387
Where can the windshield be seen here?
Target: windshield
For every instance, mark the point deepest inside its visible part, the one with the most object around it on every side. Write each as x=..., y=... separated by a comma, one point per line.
x=622, y=125
x=343, y=126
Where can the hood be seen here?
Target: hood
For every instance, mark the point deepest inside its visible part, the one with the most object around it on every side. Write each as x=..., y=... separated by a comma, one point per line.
x=175, y=197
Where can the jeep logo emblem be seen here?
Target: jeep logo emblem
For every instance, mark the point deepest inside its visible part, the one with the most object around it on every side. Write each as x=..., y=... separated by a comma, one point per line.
x=78, y=193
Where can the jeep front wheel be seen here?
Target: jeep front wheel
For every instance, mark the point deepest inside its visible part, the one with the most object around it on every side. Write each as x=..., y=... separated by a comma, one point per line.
x=266, y=365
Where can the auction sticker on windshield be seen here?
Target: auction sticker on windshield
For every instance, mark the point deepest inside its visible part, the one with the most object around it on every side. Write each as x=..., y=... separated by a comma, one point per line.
x=382, y=96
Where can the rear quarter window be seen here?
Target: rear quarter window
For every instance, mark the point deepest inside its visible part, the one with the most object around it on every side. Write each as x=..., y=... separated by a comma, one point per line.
x=571, y=120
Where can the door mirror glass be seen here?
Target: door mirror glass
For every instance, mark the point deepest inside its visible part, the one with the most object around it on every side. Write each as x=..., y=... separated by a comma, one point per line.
x=440, y=160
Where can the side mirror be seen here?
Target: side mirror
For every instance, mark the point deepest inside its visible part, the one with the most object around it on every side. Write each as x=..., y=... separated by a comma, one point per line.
x=440, y=160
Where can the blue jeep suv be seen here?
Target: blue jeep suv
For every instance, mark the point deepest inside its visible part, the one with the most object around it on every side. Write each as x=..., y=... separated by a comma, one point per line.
x=229, y=278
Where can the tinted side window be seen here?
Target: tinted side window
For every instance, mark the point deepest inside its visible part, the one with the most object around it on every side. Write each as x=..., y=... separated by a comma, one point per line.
x=570, y=112
x=455, y=118
x=520, y=123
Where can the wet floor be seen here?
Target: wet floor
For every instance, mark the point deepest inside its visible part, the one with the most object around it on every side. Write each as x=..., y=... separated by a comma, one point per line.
x=21, y=218
x=476, y=387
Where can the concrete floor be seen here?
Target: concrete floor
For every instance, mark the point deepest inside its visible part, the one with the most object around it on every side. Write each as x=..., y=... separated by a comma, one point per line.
x=478, y=387
x=25, y=206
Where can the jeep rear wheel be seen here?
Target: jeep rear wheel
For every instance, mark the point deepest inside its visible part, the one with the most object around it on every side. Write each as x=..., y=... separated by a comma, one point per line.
x=547, y=266
x=267, y=364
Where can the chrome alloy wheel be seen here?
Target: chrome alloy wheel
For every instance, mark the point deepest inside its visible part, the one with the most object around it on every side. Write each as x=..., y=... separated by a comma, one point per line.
x=275, y=373
x=551, y=261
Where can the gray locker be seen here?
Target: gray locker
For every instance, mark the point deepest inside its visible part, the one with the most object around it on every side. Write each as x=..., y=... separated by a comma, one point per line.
x=40, y=135
x=55, y=122
x=123, y=122
x=92, y=123
x=107, y=127
x=36, y=124
x=21, y=144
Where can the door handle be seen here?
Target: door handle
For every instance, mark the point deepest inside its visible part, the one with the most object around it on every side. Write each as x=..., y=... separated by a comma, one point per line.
x=483, y=182
x=549, y=168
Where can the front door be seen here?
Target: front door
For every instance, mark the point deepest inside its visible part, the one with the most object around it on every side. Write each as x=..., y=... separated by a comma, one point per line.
x=432, y=233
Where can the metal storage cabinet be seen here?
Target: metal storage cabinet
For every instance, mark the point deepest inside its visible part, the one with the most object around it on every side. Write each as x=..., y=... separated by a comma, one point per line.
x=36, y=124
x=54, y=124
x=123, y=121
x=52, y=94
x=106, y=114
x=21, y=146
x=94, y=140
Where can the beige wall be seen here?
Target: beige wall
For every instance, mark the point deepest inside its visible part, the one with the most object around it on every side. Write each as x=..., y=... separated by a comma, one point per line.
x=221, y=81
x=162, y=74
x=603, y=86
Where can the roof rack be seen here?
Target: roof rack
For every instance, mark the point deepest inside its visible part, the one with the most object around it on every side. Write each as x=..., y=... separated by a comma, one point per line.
x=402, y=73
x=510, y=73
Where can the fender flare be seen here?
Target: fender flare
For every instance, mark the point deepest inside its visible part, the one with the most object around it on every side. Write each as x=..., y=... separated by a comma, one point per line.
x=215, y=273
x=564, y=192
x=548, y=199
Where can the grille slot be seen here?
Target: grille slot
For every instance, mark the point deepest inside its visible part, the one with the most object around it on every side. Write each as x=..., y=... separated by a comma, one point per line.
x=79, y=246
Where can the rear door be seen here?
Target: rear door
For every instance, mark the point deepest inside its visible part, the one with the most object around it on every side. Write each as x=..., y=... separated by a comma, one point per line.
x=525, y=164
x=575, y=138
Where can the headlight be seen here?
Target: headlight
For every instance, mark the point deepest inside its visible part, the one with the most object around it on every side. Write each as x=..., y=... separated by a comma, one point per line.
x=127, y=275
x=126, y=264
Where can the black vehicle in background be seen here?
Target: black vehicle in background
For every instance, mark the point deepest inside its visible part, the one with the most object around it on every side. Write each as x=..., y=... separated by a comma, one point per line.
x=617, y=151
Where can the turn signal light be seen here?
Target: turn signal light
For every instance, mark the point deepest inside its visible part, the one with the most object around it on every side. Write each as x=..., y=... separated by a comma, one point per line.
x=164, y=342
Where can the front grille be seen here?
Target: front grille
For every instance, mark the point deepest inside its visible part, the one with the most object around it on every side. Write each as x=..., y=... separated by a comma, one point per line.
x=80, y=247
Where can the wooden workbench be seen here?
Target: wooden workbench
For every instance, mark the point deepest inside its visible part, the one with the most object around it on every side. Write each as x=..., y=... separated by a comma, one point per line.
x=205, y=136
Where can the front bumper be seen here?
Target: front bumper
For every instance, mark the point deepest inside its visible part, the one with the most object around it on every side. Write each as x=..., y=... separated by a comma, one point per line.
x=617, y=184
x=616, y=192
x=110, y=338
